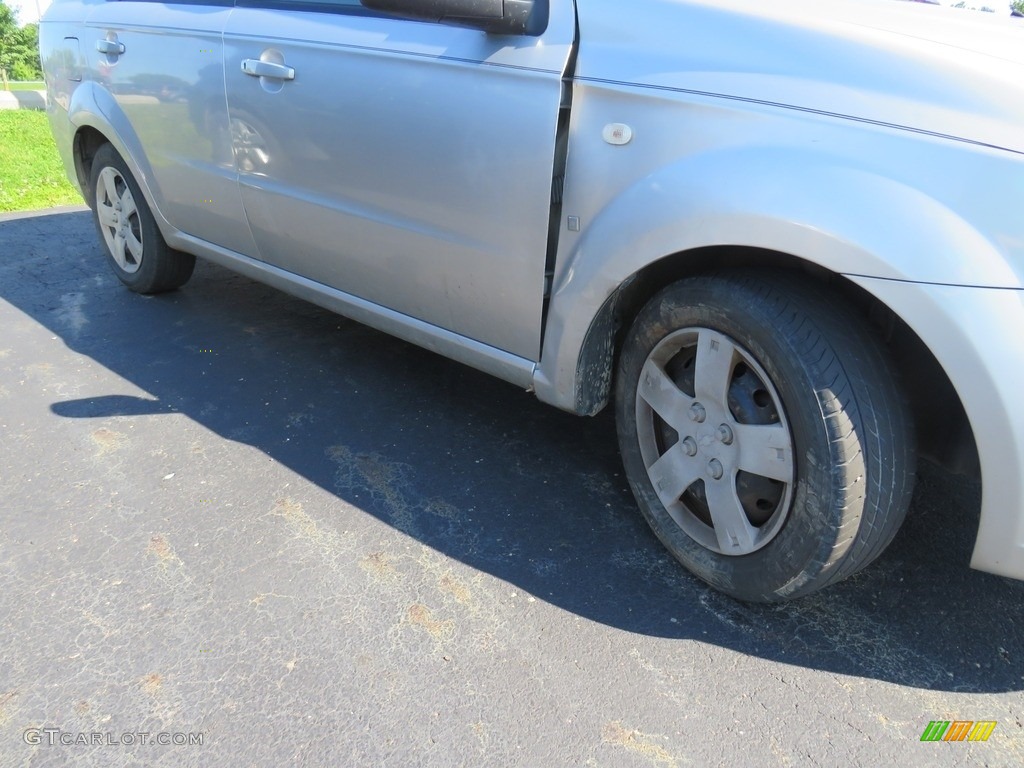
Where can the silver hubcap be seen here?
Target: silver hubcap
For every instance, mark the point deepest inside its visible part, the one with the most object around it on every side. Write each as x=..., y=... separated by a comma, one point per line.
x=119, y=219
x=715, y=441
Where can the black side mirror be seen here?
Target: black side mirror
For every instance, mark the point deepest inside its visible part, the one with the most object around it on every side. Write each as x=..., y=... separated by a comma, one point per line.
x=498, y=17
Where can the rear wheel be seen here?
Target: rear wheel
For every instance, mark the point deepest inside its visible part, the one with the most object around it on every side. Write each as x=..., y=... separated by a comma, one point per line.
x=136, y=249
x=763, y=434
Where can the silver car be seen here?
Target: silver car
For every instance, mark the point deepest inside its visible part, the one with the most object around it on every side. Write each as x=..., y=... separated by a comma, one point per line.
x=782, y=240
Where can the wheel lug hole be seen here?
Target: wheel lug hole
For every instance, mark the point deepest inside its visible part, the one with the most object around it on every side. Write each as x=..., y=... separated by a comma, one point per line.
x=725, y=434
x=715, y=469
x=698, y=413
x=690, y=446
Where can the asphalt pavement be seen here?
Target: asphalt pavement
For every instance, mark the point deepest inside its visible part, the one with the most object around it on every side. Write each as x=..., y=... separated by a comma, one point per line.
x=233, y=518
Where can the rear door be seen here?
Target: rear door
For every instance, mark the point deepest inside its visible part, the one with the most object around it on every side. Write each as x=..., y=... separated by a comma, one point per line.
x=163, y=63
x=406, y=163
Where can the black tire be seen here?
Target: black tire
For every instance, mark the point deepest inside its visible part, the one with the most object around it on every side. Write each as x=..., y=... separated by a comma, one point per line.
x=135, y=248
x=809, y=473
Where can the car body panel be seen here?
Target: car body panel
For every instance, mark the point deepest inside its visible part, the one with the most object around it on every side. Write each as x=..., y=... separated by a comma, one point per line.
x=483, y=357
x=927, y=69
x=64, y=67
x=975, y=334
x=769, y=178
x=407, y=163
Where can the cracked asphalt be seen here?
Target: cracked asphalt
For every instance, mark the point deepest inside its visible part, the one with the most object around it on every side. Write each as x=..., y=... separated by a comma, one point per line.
x=227, y=512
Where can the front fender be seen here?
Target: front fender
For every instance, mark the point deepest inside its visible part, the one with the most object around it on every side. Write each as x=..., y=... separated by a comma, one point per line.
x=843, y=218
x=974, y=333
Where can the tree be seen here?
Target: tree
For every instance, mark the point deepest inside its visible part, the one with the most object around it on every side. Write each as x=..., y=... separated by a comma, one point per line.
x=19, y=47
x=1017, y=6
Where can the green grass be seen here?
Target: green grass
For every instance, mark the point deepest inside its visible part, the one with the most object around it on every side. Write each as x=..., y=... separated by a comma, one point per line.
x=31, y=173
x=37, y=85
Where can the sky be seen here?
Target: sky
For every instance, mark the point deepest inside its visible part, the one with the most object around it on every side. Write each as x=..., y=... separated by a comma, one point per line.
x=27, y=10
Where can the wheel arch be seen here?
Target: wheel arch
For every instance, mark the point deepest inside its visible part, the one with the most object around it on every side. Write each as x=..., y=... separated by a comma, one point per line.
x=86, y=143
x=949, y=441
x=98, y=119
x=815, y=215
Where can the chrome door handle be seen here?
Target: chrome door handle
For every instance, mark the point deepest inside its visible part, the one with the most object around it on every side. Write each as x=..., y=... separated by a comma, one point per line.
x=257, y=68
x=110, y=47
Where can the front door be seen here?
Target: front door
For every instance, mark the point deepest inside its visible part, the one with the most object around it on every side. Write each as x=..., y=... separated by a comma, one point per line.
x=406, y=163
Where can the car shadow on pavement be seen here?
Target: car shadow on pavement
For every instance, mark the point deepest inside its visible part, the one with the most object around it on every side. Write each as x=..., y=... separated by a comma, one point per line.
x=485, y=474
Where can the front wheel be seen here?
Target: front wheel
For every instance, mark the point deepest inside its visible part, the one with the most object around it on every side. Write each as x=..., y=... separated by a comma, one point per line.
x=136, y=249
x=763, y=434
